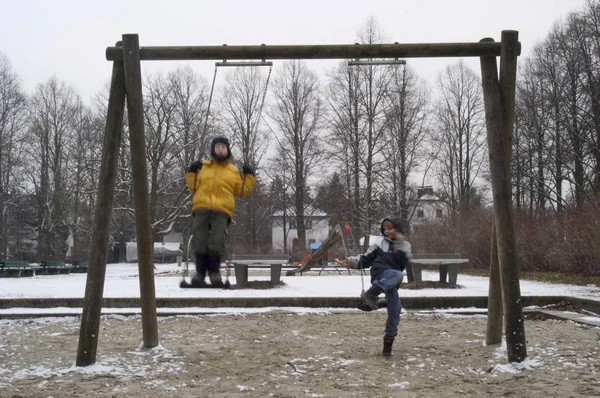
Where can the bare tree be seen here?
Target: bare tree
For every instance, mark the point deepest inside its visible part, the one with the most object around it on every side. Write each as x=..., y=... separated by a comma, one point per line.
x=192, y=121
x=585, y=31
x=372, y=91
x=190, y=96
x=84, y=150
x=281, y=200
x=575, y=106
x=345, y=134
x=408, y=119
x=459, y=135
x=555, y=122
x=53, y=108
x=12, y=121
x=332, y=197
x=359, y=98
x=534, y=106
x=241, y=103
x=550, y=68
x=163, y=139
x=297, y=113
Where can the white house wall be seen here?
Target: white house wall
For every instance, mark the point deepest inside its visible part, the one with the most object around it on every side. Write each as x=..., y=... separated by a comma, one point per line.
x=429, y=212
x=319, y=232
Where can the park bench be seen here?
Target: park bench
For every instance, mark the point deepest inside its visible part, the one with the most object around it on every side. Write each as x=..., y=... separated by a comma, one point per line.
x=16, y=268
x=448, y=264
x=79, y=266
x=242, y=262
x=54, y=267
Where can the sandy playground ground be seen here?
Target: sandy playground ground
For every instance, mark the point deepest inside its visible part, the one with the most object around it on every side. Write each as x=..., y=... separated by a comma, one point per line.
x=297, y=355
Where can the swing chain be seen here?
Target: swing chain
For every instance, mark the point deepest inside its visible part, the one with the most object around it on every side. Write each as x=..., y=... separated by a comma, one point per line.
x=362, y=279
x=187, y=257
x=228, y=271
x=212, y=88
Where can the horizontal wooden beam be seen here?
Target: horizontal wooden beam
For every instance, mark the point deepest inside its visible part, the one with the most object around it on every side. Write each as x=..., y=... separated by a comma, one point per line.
x=333, y=51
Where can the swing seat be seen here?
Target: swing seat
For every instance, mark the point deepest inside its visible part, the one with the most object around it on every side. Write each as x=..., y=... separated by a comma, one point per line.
x=186, y=285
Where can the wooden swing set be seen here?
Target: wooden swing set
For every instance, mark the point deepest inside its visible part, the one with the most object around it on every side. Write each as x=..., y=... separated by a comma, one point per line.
x=126, y=86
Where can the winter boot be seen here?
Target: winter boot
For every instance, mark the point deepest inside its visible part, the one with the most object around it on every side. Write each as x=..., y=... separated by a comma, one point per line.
x=201, y=266
x=388, y=341
x=215, y=279
x=214, y=273
x=364, y=307
x=370, y=296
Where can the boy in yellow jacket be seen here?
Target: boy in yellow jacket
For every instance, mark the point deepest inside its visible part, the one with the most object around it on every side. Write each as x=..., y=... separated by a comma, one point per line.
x=215, y=184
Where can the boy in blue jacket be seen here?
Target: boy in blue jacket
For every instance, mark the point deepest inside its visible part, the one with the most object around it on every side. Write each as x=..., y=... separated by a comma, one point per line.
x=387, y=260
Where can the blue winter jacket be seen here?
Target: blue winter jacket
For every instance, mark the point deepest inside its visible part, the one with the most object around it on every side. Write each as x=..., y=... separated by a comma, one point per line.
x=385, y=253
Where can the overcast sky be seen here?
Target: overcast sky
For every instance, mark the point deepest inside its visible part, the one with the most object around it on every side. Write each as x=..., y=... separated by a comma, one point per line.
x=68, y=38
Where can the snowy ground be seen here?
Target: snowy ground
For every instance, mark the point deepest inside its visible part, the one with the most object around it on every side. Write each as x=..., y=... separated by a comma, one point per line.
x=301, y=352
x=297, y=355
x=122, y=281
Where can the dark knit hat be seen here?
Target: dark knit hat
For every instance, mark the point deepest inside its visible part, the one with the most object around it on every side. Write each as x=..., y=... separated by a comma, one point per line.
x=396, y=221
x=220, y=140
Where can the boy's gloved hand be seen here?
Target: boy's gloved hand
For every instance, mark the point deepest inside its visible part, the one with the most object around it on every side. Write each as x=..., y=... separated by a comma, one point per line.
x=195, y=166
x=247, y=169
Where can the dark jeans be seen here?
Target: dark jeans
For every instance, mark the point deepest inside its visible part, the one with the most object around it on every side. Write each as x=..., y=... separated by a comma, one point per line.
x=388, y=281
x=209, y=230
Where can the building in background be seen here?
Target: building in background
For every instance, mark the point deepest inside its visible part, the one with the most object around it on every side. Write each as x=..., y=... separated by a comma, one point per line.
x=428, y=208
x=316, y=224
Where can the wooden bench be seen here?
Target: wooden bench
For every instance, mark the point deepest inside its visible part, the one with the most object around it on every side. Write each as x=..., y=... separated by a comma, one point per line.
x=79, y=266
x=54, y=267
x=16, y=268
x=242, y=262
x=448, y=264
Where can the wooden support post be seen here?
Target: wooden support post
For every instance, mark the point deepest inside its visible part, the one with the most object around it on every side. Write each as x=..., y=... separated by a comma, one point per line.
x=145, y=245
x=94, y=288
x=499, y=100
x=495, y=313
x=505, y=231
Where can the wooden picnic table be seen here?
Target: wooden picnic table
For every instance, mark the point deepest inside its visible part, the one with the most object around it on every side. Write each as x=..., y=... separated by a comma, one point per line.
x=447, y=266
x=242, y=262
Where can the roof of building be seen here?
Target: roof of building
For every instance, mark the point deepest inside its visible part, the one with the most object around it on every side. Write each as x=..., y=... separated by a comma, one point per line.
x=309, y=211
x=430, y=198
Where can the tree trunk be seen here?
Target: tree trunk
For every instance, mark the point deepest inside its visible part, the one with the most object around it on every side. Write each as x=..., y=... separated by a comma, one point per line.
x=558, y=158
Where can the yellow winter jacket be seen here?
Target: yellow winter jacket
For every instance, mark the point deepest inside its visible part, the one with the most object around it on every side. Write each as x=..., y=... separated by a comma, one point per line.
x=216, y=185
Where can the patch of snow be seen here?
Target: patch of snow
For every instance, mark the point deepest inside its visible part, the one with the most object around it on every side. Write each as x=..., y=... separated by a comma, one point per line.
x=517, y=367
x=590, y=318
x=402, y=385
x=346, y=362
